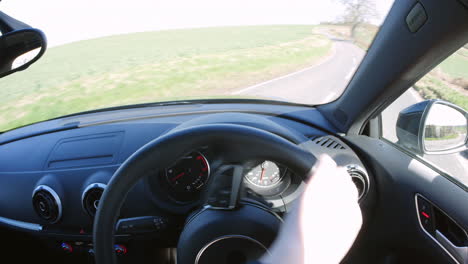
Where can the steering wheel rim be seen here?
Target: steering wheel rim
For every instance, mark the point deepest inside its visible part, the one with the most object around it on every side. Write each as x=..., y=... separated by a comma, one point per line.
x=238, y=141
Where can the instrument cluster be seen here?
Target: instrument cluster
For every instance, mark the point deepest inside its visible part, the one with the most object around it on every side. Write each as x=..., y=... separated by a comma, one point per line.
x=183, y=182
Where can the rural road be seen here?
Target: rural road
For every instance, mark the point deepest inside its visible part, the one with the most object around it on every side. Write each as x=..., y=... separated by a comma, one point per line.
x=326, y=80
x=317, y=84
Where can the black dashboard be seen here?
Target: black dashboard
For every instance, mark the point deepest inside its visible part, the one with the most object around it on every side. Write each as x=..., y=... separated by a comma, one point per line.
x=51, y=182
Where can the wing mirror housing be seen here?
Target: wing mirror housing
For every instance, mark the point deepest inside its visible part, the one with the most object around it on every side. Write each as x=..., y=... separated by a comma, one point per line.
x=433, y=127
x=20, y=45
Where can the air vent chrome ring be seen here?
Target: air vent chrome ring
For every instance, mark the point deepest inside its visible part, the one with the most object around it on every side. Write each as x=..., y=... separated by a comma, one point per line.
x=91, y=196
x=47, y=204
x=359, y=178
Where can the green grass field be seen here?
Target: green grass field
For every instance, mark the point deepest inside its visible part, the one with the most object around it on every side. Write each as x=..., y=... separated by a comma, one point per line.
x=431, y=87
x=456, y=65
x=453, y=136
x=448, y=81
x=153, y=67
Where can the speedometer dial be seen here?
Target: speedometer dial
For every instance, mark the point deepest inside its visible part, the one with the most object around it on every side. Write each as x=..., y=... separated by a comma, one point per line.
x=189, y=174
x=266, y=174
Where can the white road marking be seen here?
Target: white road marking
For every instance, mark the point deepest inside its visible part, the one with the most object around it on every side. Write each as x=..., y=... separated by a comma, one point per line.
x=350, y=73
x=415, y=95
x=353, y=69
x=287, y=75
x=462, y=161
x=329, y=97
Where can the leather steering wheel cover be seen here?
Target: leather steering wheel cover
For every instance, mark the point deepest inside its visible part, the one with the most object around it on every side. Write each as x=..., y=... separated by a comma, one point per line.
x=243, y=143
x=251, y=220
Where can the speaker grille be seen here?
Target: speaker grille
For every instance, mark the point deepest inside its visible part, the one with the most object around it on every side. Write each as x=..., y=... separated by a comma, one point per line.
x=327, y=142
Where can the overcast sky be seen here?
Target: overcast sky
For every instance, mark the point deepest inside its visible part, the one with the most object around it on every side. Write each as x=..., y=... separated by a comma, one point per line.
x=66, y=21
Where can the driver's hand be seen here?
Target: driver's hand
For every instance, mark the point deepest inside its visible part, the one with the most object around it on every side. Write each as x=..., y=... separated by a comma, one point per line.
x=324, y=223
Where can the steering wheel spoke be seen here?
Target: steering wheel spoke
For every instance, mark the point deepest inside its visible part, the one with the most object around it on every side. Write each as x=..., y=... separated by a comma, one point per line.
x=223, y=190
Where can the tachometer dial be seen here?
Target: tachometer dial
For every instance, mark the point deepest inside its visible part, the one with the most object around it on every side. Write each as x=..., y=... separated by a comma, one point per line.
x=189, y=174
x=266, y=174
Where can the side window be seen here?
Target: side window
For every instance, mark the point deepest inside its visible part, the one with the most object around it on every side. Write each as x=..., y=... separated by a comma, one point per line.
x=447, y=82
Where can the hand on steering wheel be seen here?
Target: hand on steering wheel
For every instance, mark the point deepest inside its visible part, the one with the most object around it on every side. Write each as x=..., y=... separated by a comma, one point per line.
x=325, y=222
x=218, y=228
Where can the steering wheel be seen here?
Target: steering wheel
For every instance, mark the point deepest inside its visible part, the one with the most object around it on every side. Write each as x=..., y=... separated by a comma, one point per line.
x=228, y=226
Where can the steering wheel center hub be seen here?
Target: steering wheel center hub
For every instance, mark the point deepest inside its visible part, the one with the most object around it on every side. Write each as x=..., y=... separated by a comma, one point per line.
x=231, y=249
x=228, y=237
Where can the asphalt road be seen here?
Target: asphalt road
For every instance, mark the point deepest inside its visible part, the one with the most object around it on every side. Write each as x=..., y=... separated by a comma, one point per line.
x=318, y=84
x=326, y=80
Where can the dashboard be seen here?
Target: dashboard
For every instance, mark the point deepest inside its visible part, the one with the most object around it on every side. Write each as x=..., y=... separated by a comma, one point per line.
x=51, y=182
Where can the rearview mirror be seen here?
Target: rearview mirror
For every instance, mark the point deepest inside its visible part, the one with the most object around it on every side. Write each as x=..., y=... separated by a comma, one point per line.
x=20, y=45
x=19, y=49
x=433, y=127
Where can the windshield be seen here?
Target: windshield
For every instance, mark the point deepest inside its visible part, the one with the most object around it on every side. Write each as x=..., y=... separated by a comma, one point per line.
x=113, y=53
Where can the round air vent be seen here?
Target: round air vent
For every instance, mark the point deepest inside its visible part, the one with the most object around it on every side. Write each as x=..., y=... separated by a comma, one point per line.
x=359, y=178
x=91, y=196
x=47, y=204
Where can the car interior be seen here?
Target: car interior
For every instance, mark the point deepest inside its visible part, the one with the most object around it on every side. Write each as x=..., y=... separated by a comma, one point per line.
x=168, y=182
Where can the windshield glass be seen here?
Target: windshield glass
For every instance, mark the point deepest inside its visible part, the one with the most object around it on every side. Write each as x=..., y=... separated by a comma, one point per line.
x=112, y=53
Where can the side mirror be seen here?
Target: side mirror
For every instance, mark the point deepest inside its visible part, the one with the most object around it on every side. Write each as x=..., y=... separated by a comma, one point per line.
x=433, y=127
x=20, y=45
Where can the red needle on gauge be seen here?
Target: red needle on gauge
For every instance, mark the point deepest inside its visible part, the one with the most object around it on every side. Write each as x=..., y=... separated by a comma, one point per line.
x=178, y=176
x=263, y=173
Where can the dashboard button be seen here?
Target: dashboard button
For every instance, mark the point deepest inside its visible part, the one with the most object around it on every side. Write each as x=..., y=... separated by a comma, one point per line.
x=426, y=215
x=67, y=248
x=143, y=224
x=120, y=250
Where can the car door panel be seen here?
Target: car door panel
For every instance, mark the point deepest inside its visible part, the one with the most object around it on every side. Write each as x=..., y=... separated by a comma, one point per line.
x=394, y=233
